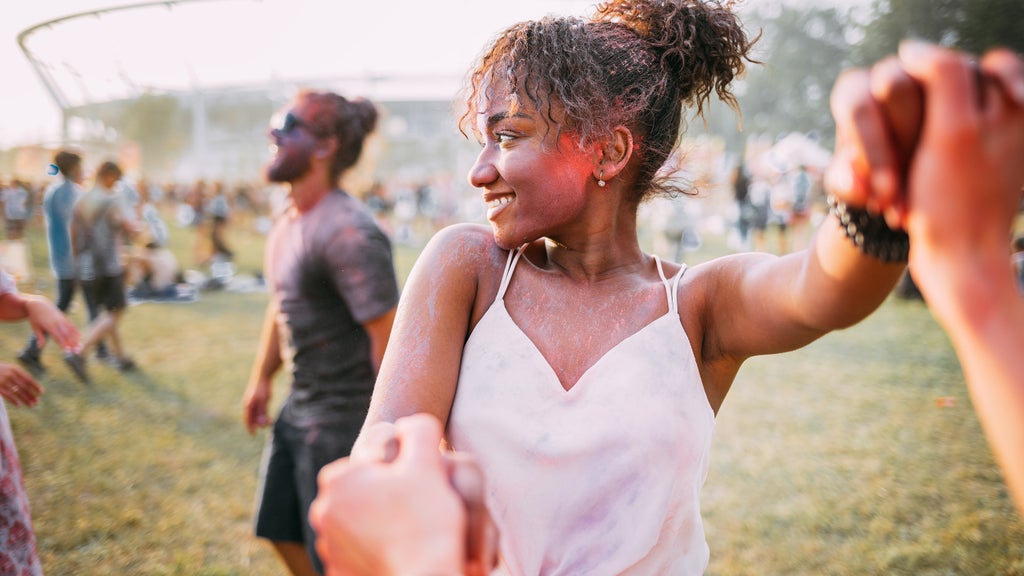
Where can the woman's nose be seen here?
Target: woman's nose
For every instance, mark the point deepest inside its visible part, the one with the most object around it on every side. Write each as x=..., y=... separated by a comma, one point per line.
x=483, y=171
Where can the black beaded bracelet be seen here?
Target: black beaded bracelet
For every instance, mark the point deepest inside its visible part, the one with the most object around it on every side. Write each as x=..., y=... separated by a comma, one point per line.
x=870, y=233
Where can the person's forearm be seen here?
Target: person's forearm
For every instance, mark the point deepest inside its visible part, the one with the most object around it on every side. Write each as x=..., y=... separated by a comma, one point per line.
x=268, y=356
x=13, y=307
x=841, y=285
x=983, y=312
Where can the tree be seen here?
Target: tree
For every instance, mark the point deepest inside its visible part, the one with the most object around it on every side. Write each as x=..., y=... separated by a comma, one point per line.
x=160, y=127
x=971, y=25
x=801, y=52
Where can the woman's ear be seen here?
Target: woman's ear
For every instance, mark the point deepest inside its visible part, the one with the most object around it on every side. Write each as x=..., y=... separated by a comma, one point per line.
x=614, y=154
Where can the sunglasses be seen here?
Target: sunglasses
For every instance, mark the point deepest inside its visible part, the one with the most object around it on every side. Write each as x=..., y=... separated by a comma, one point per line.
x=290, y=122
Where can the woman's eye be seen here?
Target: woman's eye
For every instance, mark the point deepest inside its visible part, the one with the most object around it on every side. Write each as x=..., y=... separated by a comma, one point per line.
x=504, y=137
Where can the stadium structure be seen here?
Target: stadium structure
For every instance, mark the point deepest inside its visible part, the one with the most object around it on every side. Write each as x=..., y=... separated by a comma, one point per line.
x=184, y=89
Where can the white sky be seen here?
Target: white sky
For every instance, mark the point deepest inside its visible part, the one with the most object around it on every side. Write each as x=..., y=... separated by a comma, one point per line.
x=237, y=45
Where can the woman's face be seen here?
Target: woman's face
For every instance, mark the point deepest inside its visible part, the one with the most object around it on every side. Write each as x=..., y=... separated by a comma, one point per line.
x=534, y=181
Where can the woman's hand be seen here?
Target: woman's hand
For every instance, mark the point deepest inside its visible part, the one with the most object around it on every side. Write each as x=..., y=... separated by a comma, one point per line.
x=878, y=114
x=47, y=319
x=18, y=387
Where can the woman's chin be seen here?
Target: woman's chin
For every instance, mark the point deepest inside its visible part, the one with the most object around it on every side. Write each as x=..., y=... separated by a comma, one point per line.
x=506, y=241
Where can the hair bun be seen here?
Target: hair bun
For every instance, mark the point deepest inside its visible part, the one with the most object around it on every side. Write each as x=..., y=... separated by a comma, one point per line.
x=701, y=43
x=365, y=112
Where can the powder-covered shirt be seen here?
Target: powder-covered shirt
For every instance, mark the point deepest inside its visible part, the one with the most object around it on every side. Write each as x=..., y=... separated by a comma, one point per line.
x=603, y=478
x=331, y=271
x=97, y=229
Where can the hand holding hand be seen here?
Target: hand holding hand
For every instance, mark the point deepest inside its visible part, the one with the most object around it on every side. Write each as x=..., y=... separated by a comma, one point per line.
x=878, y=118
x=967, y=173
x=396, y=507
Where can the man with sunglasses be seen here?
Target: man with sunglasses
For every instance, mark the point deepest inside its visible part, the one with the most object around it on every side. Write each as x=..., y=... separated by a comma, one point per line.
x=333, y=294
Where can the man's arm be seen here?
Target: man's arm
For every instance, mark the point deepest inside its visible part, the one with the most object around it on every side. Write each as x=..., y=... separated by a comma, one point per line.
x=379, y=331
x=267, y=363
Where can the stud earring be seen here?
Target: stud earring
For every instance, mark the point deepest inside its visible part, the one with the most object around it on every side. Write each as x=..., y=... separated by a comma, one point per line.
x=600, y=179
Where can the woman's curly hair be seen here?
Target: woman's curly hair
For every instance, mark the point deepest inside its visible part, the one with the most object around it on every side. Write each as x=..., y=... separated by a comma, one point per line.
x=634, y=63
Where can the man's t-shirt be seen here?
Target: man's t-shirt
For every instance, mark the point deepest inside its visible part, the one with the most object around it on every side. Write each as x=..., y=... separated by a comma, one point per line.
x=97, y=229
x=58, y=205
x=331, y=271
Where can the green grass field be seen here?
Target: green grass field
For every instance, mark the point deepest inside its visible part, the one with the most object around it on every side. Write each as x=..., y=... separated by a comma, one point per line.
x=836, y=459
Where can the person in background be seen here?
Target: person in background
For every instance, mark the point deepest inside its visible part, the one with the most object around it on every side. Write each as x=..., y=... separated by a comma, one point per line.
x=800, y=211
x=153, y=223
x=963, y=187
x=333, y=293
x=218, y=210
x=17, y=206
x=58, y=207
x=98, y=227
x=152, y=272
x=744, y=207
x=19, y=553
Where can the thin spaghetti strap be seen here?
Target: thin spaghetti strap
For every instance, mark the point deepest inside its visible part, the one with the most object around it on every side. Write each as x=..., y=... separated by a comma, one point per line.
x=673, y=303
x=506, y=276
x=664, y=280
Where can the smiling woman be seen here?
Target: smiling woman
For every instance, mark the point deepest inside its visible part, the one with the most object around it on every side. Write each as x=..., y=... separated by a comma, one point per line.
x=583, y=374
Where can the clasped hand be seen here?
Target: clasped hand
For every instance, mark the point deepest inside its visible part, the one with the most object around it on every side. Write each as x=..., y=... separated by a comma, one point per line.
x=399, y=503
x=934, y=140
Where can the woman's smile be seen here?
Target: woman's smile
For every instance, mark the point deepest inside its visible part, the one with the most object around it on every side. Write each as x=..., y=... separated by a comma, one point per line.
x=496, y=203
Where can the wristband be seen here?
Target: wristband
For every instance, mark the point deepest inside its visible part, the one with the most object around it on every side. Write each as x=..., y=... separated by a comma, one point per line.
x=870, y=233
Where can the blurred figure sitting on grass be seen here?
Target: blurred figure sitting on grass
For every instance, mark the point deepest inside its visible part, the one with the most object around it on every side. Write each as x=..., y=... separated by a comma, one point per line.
x=152, y=272
x=18, y=552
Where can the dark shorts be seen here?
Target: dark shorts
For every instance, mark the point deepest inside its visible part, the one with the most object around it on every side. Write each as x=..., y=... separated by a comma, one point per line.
x=292, y=458
x=106, y=292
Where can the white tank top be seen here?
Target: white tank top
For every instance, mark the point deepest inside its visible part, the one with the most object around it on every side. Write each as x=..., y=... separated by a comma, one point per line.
x=604, y=478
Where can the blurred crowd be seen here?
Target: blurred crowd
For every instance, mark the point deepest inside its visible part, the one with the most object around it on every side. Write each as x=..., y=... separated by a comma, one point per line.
x=769, y=199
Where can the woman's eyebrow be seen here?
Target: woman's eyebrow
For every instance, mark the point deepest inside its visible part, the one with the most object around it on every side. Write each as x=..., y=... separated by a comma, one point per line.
x=499, y=116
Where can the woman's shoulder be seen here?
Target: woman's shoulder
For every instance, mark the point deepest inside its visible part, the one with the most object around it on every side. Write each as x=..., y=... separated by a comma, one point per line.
x=467, y=244
x=463, y=263
x=730, y=266
x=470, y=240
